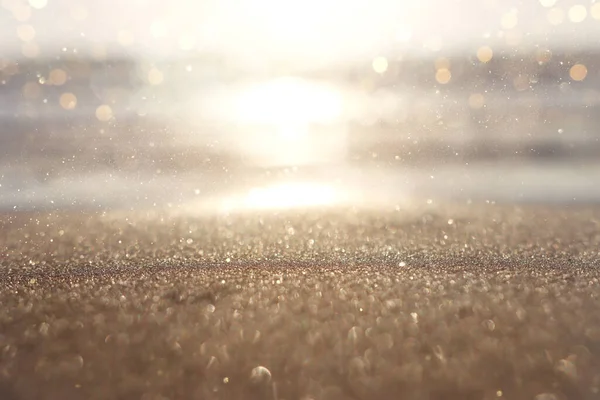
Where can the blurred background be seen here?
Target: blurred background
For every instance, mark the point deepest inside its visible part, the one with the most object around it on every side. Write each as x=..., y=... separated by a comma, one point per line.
x=236, y=104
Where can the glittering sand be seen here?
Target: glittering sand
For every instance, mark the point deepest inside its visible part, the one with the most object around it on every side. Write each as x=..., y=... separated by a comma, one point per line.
x=457, y=302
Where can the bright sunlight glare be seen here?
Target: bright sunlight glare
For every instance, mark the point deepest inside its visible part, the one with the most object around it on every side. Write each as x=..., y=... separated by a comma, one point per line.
x=285, y=196
x=289, y=103
x=286, y=113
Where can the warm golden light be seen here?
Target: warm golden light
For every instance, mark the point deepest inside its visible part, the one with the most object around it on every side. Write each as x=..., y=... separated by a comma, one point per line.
x=68, y=101
x=291, y=195
x=443, y=76
x=577, y=13
x=288, y=101
x=38, y=4
x=285, y=196
x=595, y=11
x=155, y=76
x=485, y=54
x=578, y=72
x=543, y=56
x=509, y=20
x=288, y=121
x=58, y=77
x=476, y=101
x=380, y=65
x=104, y=113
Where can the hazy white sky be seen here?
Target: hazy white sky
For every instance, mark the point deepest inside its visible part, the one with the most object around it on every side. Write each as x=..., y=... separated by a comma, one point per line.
x=285, y=30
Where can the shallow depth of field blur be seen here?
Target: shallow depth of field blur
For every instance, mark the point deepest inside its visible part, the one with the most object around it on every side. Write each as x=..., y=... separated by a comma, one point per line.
x=234, y=104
